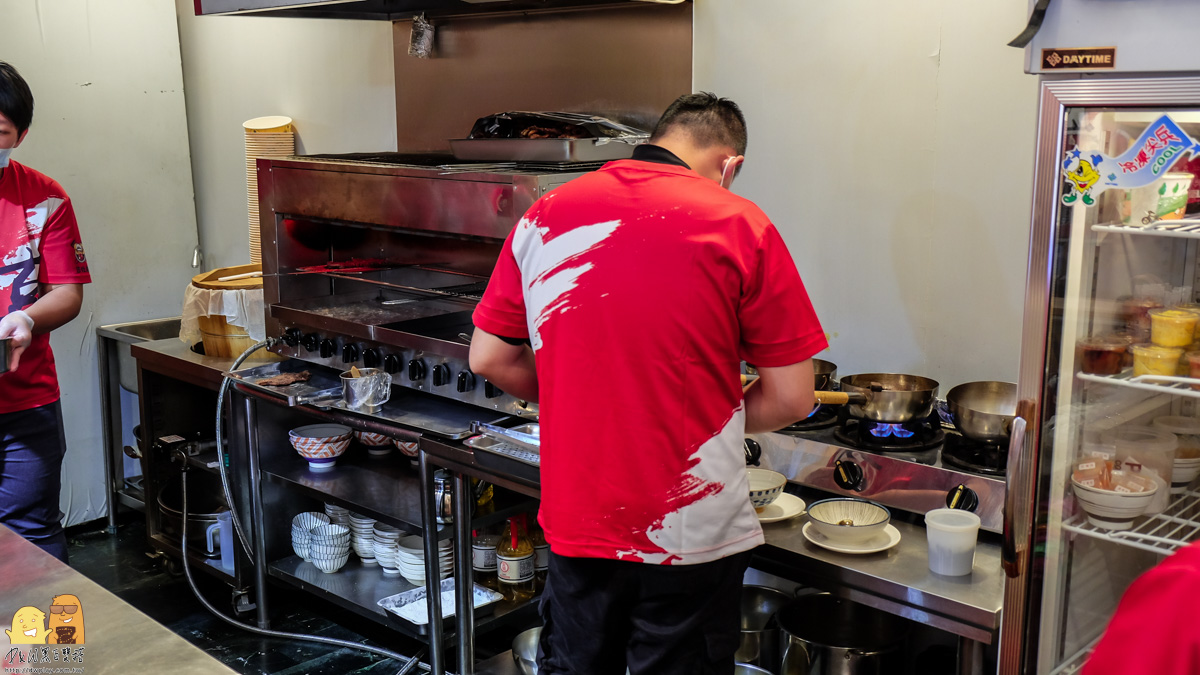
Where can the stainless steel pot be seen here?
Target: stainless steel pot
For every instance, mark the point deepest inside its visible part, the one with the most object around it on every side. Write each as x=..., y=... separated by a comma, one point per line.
x=824, y=635
x=884, y=397
x=760, y=632
x=824, y=372
x=983, y=411
x=205, y=504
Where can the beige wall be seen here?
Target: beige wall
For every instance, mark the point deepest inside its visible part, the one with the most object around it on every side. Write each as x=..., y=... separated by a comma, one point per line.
x=892, y=144
x=334, y=78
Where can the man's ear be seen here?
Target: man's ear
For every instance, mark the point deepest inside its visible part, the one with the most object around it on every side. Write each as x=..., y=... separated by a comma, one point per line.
x=21, y=138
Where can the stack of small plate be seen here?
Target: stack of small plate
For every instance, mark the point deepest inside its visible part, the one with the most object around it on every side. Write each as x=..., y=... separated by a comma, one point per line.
x=330, y=547
x=301, y=525
x=386, y=537
x=338, y=515
x=410, y=558
x=362, y=536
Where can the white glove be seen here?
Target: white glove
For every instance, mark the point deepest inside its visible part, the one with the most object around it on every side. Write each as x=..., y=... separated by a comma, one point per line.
x=17, y=326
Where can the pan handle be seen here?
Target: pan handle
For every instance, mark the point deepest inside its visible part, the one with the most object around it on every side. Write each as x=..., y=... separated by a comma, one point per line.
x=839, y=397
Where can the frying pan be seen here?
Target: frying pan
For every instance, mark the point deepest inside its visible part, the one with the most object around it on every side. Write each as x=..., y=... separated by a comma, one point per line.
x=823, y=374
x=983, y=411
x=884, y=397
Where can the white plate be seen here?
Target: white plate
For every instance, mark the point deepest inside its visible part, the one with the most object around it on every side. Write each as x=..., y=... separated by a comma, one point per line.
x=881, y=542
x=785, y=506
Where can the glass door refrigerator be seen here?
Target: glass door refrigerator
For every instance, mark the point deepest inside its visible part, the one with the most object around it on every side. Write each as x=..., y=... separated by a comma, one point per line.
x=1107, y=443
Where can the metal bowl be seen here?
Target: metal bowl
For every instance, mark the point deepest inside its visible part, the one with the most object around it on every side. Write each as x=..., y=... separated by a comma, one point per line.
x=983, y=411
x=824, y=372
x=525, y=648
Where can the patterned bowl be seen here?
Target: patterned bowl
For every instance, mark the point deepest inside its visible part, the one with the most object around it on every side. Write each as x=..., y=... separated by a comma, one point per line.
x=848, y=520
x=765, y=486
x=408, y=448
x=372, y=440
x=321, y=444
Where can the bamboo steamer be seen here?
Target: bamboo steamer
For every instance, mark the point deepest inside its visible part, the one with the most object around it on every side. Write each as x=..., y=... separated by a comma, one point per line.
x=220, y=338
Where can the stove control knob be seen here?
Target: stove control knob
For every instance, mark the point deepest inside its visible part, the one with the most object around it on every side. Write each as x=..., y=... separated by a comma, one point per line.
x=391, y=363
x=292, y=336
x=466, y=382
x=962, y=497
x=311, y=341
x=416, y=370
x=441, y=374
x=847, y=475
x=371, y=358
x=350, y=353
x=327, y=348
x=491, y=391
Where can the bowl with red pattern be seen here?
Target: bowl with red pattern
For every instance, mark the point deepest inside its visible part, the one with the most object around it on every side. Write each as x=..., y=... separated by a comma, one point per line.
x=321, y=444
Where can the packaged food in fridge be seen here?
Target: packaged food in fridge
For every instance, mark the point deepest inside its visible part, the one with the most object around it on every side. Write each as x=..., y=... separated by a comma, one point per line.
x=1101, y=355
x=1172, y=327
x=1149, y=359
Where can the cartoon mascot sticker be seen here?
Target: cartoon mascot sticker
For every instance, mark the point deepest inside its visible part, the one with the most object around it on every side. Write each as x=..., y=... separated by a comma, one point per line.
x=1083, y=177
x=28, y=627
x=66, y=621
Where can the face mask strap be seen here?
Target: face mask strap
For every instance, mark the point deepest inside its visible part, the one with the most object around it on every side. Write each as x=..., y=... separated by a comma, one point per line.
x=728, y=172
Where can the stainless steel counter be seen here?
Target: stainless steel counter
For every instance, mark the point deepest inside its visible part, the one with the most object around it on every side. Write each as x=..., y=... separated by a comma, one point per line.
x=175, y=358
x=897, y=580
x=118, y=638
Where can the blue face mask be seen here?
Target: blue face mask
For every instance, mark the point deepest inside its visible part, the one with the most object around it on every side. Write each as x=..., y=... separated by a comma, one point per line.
x=4, y=153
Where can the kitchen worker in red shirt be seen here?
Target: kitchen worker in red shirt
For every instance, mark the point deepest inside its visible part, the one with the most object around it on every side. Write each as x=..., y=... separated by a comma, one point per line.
x=1154, y=630
x=624, y=302
x=42, y=272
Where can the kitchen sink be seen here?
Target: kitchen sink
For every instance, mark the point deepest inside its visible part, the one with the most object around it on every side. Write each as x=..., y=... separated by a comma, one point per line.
x=125, y=334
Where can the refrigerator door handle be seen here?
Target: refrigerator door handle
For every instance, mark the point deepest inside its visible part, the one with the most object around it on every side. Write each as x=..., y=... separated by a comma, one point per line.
x=1015, y=501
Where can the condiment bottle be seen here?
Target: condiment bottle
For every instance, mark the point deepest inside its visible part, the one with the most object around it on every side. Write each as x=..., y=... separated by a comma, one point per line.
x=514, y=562
x=483, y=559
x=541, y=555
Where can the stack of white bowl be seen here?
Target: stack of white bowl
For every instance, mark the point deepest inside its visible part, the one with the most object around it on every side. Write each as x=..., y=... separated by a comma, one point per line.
x=301, y=526
x=329, y=547
x=411, y=559
x=386, y=537
x=338, y=515
x=362, y=536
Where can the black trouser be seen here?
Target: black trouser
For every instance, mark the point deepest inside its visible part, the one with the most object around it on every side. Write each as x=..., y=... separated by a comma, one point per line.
x=600, y=616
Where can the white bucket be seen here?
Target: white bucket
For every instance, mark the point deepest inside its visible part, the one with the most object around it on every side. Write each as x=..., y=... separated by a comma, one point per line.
x=1166, y=197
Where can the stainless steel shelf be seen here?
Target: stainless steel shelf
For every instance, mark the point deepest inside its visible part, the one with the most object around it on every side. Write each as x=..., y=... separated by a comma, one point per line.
x=359, y=588
x=385, y=489
x=1180, y=229
x=1159, y=384
x=1161, y=533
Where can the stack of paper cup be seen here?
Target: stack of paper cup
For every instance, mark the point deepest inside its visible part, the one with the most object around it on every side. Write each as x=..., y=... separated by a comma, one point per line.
x=271, y=136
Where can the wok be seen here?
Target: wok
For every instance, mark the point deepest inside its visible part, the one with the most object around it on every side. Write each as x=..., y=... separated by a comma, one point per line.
x=884, y=397
x=983, y=411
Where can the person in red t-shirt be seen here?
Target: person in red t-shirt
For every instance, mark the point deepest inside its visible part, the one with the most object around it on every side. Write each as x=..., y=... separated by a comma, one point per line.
x=1154, y=630
x=42, y=272
x=623, y=302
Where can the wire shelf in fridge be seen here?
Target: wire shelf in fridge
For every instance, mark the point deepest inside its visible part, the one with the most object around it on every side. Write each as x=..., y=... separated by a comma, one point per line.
x=1162, y=533
x=1184, y=229
x=1159, y=384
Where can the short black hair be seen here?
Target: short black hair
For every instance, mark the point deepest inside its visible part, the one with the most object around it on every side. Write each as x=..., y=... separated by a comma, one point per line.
x=708, y=118
x=16, y=100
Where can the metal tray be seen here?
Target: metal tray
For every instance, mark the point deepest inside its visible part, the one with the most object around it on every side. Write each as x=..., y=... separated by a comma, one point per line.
x=539, y=149
x=410, y=605
x=501, y=457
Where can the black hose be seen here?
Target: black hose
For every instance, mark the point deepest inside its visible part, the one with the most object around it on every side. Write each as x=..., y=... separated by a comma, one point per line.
x=409, y=662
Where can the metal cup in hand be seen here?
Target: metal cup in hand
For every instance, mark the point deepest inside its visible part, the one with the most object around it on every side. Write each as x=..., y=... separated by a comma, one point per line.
x=368, y=392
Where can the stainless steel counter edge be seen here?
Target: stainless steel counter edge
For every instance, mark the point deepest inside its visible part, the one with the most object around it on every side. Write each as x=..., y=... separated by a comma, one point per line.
x=174, y=357
x=897, y=580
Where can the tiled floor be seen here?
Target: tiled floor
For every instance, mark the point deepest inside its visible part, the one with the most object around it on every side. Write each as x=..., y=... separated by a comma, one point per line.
x=120, y=563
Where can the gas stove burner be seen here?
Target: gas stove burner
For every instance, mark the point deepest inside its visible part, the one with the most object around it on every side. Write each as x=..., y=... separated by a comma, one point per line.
x=823, y=418
x=913, y=437
x=972, y=457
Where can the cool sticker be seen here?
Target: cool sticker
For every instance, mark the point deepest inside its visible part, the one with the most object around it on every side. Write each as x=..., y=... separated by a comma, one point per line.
x=1147, y=160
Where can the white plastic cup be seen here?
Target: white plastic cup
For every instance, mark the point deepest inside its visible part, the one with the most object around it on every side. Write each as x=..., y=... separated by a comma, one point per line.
x=952, y=534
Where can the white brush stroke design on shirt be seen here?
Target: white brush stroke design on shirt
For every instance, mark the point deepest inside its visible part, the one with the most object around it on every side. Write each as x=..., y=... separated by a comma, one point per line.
x=550, y=270
x=35, y=224
x=718, y=524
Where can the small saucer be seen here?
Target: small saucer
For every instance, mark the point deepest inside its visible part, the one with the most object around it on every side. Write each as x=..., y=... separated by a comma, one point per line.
x=784, y=507
x=880, y=542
